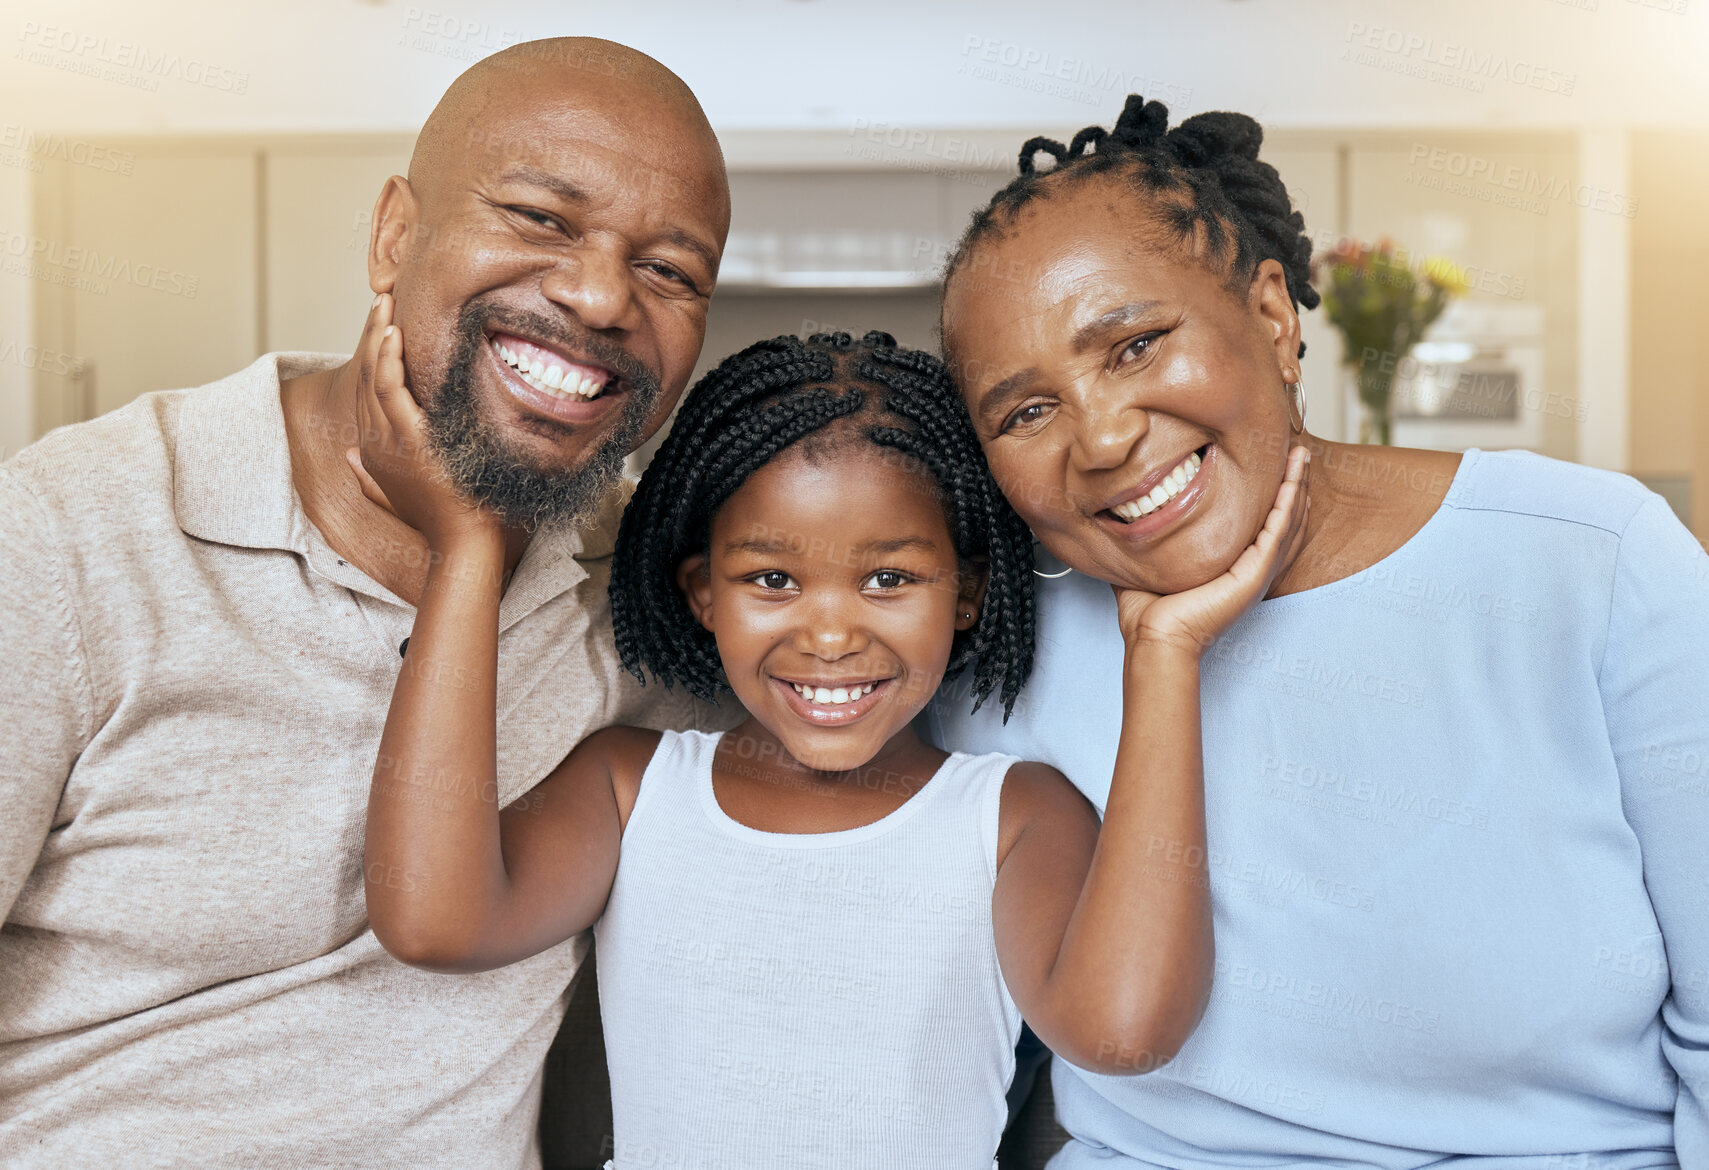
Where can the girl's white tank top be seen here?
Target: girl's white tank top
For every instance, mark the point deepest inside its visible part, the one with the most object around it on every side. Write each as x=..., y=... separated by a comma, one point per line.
x=803, y=1000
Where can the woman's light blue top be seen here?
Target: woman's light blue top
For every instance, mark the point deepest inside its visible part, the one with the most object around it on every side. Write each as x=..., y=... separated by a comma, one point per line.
x=1459, y=845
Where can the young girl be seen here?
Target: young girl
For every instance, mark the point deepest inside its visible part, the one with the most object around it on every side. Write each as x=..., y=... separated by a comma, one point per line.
x=817, y=934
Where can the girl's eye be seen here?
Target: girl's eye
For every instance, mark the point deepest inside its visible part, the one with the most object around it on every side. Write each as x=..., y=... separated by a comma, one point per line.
x=773, y=579
x=886, y=579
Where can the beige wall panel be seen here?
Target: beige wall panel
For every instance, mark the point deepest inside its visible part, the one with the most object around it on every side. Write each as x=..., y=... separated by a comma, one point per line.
x=1415, y=188
x=62, y=384
x=1310, y=170
x=161, y=270
x=1670, y=313
x=319, y=204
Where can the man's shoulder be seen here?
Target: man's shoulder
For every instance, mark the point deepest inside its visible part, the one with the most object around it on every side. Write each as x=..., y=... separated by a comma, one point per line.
x=108, y=465
x=124, y=464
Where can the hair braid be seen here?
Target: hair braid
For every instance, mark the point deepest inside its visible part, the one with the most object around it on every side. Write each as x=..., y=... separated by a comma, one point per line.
x=746, y=412
x=1203, y=180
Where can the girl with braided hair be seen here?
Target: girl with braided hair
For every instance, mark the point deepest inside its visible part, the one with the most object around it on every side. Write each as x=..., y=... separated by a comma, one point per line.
x=1452, y=759
x=817, y=933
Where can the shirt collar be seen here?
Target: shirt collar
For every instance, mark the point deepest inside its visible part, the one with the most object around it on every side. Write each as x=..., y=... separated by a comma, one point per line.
x=233, y=485
x=232, y=468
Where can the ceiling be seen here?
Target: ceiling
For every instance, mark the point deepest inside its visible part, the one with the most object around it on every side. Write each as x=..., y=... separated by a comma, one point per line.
x=316, y=65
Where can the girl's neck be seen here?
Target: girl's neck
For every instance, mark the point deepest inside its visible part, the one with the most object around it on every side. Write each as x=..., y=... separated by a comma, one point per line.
x=760, y=784
x=762, y=752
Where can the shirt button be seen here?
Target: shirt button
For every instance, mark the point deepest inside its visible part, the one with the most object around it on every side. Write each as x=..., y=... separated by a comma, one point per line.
x=403, y=647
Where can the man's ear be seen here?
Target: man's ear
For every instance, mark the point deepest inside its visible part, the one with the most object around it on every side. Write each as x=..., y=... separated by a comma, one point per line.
x=970, y=593
x=394, y=215
x=1269, y=298
x=694, y=578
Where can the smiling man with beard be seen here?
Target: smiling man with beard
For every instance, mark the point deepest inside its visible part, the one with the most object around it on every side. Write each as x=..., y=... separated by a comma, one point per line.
x=203, y=615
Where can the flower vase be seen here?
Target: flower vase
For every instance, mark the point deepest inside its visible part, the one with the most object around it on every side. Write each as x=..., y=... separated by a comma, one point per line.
x=1376, y=404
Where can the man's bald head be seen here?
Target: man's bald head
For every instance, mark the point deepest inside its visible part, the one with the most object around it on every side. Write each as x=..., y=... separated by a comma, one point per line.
x=552, y=253
x=487, y=107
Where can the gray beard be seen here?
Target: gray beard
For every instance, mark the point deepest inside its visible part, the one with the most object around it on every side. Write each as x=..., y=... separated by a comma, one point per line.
x=487, y=470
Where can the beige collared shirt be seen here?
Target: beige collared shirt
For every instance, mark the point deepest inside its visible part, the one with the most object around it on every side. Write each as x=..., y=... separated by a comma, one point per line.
x=194, y=693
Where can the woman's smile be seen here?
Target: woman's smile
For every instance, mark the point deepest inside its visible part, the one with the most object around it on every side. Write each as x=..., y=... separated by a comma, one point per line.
x=1162, y=498
x=1136, y=408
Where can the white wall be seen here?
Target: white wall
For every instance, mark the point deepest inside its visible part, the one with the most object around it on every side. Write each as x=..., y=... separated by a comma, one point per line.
x=836, y=71
x=380, y=64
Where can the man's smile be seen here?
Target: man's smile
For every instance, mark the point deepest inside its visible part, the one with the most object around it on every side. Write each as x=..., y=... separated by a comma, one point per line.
x=548, y=382
x=549, y=371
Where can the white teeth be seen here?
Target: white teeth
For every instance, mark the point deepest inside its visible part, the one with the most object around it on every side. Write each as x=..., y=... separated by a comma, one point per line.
x=1179, y=477
x=833, y=696
x=547, y=377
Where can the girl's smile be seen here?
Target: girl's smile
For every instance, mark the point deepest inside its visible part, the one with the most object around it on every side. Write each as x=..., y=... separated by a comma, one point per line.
x=828, y=703
x=834, y=591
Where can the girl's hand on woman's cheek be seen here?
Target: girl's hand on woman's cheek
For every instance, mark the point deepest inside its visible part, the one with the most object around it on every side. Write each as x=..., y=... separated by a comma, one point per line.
x=1194, y=618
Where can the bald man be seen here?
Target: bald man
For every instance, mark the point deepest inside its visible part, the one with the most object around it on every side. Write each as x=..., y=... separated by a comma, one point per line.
x=204, y=617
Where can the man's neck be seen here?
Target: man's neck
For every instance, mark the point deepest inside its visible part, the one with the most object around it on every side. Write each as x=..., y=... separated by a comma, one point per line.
x=320, y=425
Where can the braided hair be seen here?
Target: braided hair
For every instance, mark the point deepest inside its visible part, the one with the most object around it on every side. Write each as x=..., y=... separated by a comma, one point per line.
x=1203, y=181
x=760, y=402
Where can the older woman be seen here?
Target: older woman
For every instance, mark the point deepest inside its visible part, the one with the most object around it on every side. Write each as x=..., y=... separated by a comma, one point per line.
x=1455, y=761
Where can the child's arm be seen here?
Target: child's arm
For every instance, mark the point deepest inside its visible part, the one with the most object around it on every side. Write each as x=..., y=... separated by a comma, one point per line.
x=453, y=884
x=1105, y=936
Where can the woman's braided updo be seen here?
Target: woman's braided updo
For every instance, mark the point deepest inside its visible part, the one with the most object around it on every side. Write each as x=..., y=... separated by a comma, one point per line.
x=1202, y=180
x=827, y=390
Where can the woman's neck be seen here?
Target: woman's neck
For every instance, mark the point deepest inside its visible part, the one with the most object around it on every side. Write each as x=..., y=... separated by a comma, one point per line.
x=1365, y=502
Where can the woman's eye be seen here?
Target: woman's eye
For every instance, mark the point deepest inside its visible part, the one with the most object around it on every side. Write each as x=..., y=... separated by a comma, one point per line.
x=886, y=579
x=1140, y=345
x=1025, y=416
x=775, y=579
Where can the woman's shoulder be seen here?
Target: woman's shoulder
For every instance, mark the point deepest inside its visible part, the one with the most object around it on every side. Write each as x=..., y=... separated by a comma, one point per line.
x=1523, y=483
x=1573, y=523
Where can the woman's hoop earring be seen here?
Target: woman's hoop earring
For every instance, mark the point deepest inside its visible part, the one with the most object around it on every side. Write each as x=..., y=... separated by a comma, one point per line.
x=1050, y=576
x=1296, y=407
